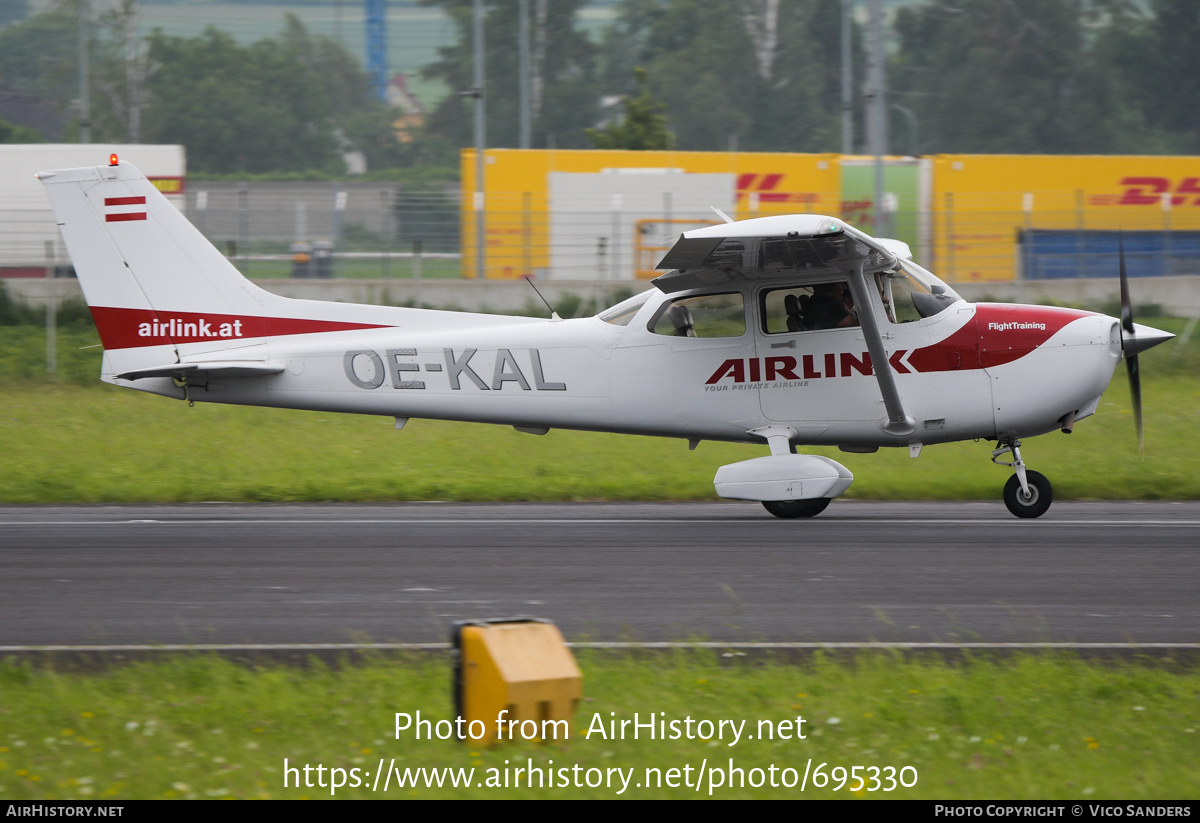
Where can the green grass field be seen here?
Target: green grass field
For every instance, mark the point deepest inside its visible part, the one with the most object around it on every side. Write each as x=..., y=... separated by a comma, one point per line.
x=1030, y=727
x=76, y=440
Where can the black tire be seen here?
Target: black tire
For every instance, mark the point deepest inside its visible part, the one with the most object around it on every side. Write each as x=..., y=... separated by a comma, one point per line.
x=1041, y=495
x=788, y=509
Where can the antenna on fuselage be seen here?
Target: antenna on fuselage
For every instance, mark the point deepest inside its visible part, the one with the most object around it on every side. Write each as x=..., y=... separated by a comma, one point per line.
x=723, y=215
x=553, y=313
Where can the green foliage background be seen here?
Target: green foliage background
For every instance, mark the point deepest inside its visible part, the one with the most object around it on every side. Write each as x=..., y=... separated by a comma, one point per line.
x=1023, y=76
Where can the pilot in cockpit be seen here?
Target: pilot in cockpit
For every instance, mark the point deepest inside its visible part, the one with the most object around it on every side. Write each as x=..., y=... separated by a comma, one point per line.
x=830, y=307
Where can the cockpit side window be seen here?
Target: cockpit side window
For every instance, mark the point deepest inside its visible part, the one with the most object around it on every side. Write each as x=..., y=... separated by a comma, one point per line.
x=808, y=308
x=707, y=315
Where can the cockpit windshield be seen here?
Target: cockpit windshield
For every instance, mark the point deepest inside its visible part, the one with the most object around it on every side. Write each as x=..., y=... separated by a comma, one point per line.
x=910, y=293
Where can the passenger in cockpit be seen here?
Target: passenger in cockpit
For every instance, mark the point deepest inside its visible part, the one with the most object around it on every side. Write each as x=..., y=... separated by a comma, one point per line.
x=830, y=307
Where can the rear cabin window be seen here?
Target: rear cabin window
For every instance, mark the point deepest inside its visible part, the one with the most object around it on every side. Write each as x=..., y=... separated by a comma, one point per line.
x=708, y=315
x=622, y=313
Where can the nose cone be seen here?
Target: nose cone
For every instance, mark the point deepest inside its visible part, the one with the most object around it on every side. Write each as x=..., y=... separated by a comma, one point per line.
x=1142, y=338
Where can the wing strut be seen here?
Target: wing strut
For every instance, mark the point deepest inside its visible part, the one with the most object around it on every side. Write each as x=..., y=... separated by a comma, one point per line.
x=898, y=423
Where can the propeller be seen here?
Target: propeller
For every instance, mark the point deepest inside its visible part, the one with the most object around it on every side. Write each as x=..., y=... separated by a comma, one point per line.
x=1134, y=339
x=1128, y=334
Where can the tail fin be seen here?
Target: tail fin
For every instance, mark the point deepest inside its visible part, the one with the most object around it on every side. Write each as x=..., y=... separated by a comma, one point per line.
x=157, y=289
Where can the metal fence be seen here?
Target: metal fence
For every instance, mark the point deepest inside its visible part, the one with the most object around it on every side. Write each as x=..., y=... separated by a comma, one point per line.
x=371, y=229
x=30, y=243
x=386, y=230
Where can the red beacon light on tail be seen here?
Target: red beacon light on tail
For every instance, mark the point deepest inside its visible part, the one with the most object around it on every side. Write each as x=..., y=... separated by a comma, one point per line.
x=112, y=160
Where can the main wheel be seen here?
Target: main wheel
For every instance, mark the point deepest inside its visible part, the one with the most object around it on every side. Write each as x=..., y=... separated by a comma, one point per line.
x=796, y=508
x=1040, y=496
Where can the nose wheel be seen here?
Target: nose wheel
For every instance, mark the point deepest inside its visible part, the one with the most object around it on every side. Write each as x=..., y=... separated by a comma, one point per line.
x=1031, y=503
x=1027, y=493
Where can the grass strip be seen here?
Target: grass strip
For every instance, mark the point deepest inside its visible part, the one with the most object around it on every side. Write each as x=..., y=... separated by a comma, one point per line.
x=1028, y=727
x=67, y=444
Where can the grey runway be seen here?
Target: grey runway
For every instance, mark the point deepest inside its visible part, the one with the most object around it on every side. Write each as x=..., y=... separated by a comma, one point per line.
x=863, y=571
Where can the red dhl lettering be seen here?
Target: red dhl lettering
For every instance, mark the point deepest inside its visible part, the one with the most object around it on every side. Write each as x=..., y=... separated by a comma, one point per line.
x=1151, y=191
x=766, y=187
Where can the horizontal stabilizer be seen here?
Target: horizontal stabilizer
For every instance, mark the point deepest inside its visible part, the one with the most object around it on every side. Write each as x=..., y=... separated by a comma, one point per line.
x=212, y=368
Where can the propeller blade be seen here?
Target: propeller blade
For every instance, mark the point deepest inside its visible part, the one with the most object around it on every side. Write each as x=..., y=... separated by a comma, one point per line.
x=1135, y=394
x=1128, y=337
x=1135, y=338
x=1126, y=304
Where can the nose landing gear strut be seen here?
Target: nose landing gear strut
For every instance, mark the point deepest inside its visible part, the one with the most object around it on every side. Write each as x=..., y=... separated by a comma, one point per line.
x=1027, y=493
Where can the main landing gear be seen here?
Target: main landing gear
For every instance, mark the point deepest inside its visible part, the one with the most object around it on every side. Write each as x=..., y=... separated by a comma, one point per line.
x=788, y=509
x=1027, y=493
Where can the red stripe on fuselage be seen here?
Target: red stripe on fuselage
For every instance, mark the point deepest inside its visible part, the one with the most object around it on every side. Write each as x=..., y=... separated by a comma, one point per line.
x=997, y=334
x=133, y=328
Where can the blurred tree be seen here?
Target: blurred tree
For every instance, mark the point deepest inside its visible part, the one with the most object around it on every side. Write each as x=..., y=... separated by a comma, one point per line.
x=1023, y=76
x=40, y=56
x=287, y=104
x=10, y=133
x=13, y=11
x=1155, y=51
x=236, y=108
x=565, y=96
x=761, y=75
x=981, y=76
x=642, y=127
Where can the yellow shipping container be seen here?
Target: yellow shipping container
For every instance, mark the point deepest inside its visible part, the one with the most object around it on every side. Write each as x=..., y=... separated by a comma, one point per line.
x=981, y=203
x=519, y=226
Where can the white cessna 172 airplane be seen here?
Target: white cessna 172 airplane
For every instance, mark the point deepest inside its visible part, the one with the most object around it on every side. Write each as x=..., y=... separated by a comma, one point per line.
x=788, y=330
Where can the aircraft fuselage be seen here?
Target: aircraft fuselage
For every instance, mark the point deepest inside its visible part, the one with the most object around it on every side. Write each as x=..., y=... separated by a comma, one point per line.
x=971, y=371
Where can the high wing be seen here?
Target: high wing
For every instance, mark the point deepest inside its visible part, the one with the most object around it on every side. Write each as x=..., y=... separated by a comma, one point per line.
x=767, y=246
x=784, y=244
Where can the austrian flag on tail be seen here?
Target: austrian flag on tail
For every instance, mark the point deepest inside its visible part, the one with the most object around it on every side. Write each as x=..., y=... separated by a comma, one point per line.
x=122, y=209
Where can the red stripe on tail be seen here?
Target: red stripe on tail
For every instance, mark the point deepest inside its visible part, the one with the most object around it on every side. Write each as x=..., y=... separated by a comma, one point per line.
x=134, y=328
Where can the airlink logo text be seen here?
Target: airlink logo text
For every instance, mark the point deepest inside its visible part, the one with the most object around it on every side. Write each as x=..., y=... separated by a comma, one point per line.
x=198, y=328
x=1012, y=326
x=806, y=367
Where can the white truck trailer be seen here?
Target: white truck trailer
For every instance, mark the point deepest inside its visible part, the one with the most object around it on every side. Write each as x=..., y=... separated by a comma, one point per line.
x=30, y=244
